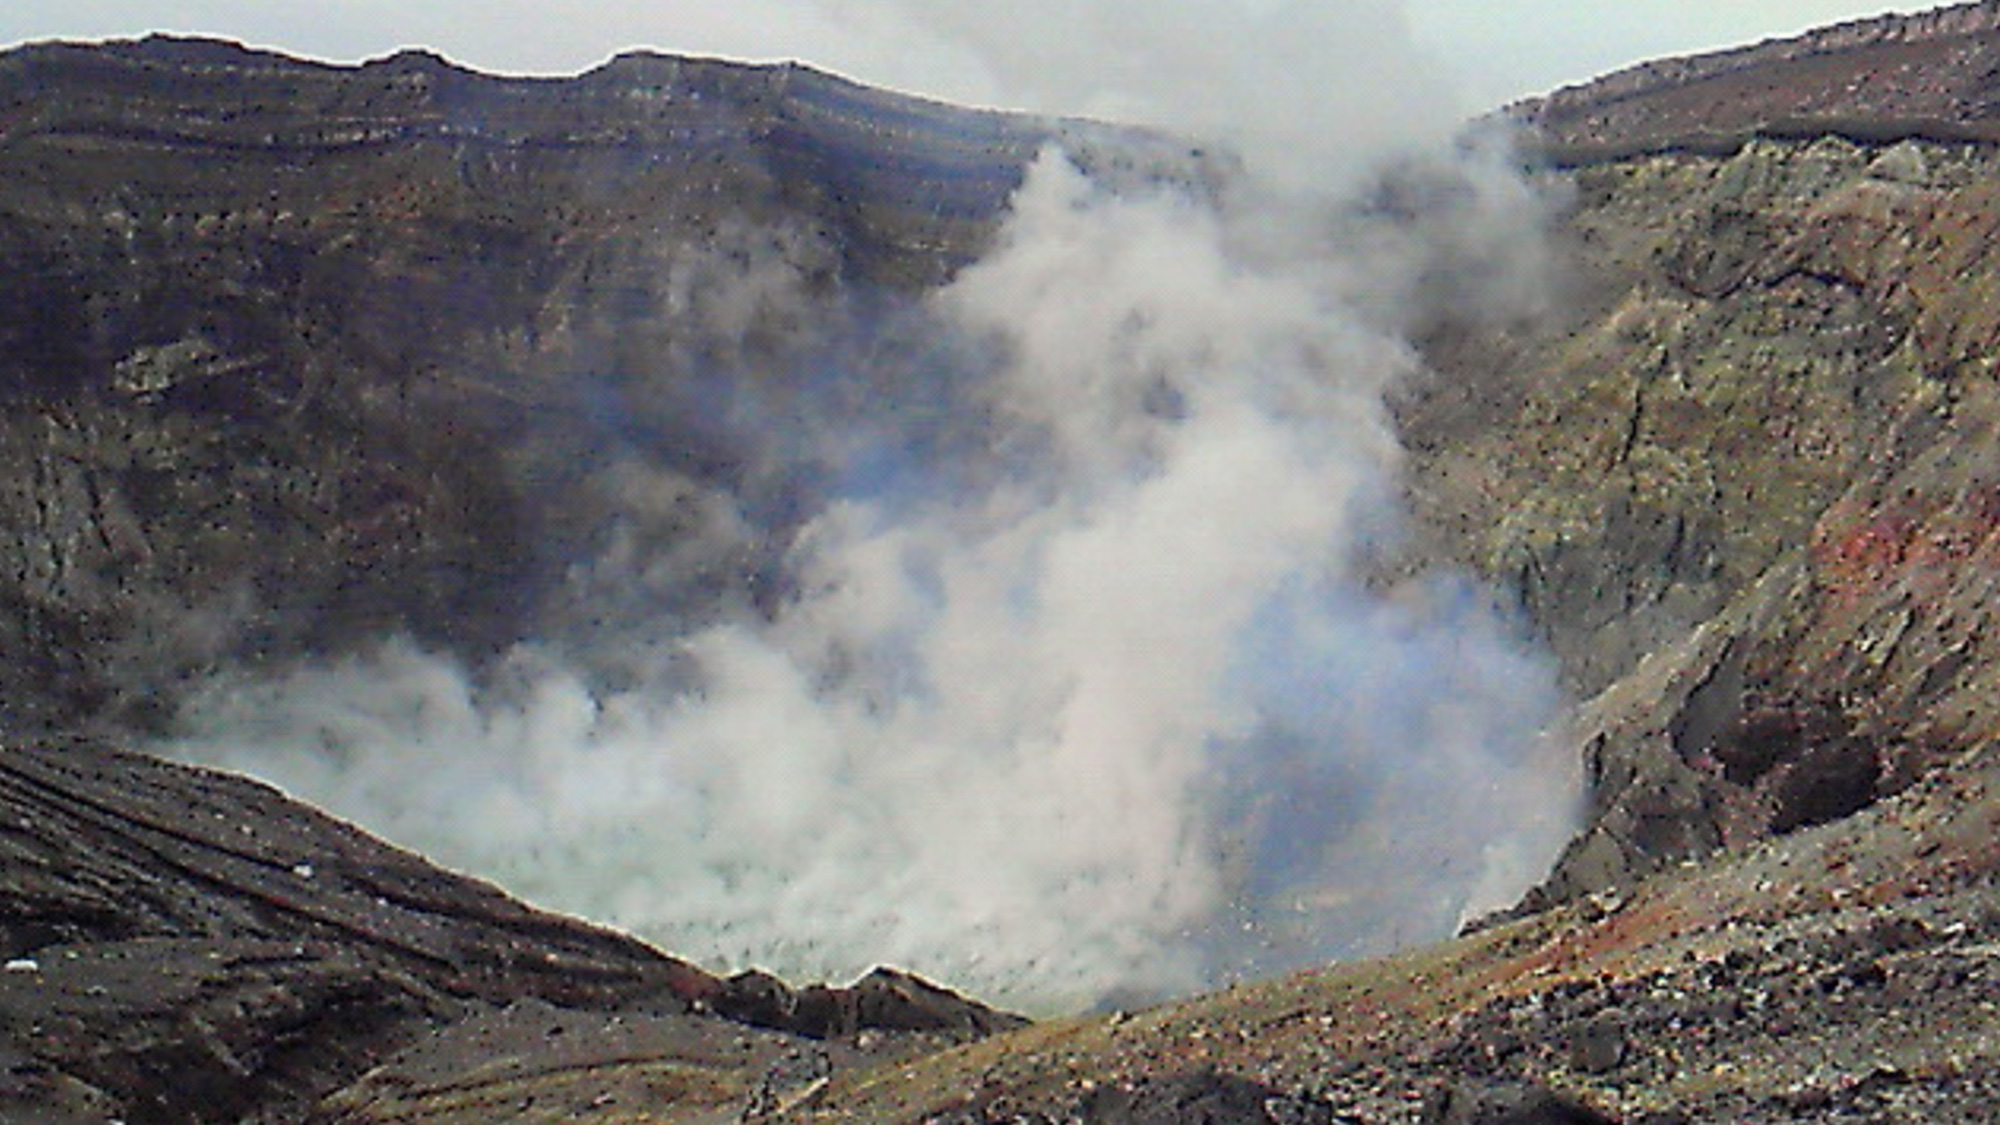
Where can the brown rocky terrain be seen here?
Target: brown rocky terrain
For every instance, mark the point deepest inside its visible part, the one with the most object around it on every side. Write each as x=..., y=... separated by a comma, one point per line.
x=1742, y=481
x=186, y=945
x=1739, y=486
x=1930, y=75
x=247, y=296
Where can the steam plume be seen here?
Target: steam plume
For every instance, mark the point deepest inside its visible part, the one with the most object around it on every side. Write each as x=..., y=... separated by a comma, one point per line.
x=1078, y=682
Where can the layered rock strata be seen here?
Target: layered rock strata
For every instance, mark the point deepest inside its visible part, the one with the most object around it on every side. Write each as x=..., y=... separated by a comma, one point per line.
x=272, y=333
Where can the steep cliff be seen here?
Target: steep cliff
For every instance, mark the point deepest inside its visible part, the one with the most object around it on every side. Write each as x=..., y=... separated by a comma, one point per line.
x=1928, y=74
x=1739, y=481
x=271, y=331
x=274, y=336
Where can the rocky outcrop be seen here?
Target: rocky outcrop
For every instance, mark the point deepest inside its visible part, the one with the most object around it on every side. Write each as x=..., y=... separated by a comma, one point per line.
x=1939, y=25
x=885, y=999
x=1835, y=972
x=183, y=945
x=1926, y=75
x=272, y=333
x=1738, y=483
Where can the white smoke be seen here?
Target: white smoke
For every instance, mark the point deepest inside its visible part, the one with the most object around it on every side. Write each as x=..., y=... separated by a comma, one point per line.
x=1310, y=91
x=1090, y=696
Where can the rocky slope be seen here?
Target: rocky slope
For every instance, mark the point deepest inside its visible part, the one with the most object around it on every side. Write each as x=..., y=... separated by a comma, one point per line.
x=1741, y=481
x=1929, y=75
x=1741, y=484
x=1843, y=973
x=190, y=946
x=274, y=331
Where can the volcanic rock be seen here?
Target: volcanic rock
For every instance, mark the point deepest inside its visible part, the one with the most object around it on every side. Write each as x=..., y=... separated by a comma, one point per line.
x=185, y=945
x=1735, y=479
x=1509, y=1105
x=1202, y=1098
x=885, y=999
x=1927, y=76
x=272, y=334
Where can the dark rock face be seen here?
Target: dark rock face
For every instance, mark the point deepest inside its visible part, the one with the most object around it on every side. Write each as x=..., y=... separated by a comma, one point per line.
x=195, y=947
x=1738, y=482
x=1927, y=75
x=885, y=999
x=277, y=336
x=185, y=946
x=273, y=334
x=105, y=844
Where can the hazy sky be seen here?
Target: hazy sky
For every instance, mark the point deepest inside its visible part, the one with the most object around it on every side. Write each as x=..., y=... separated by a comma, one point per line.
x=1497, y=49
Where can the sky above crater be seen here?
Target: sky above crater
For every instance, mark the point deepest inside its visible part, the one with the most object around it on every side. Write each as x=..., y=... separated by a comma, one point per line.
x=1491, y=50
